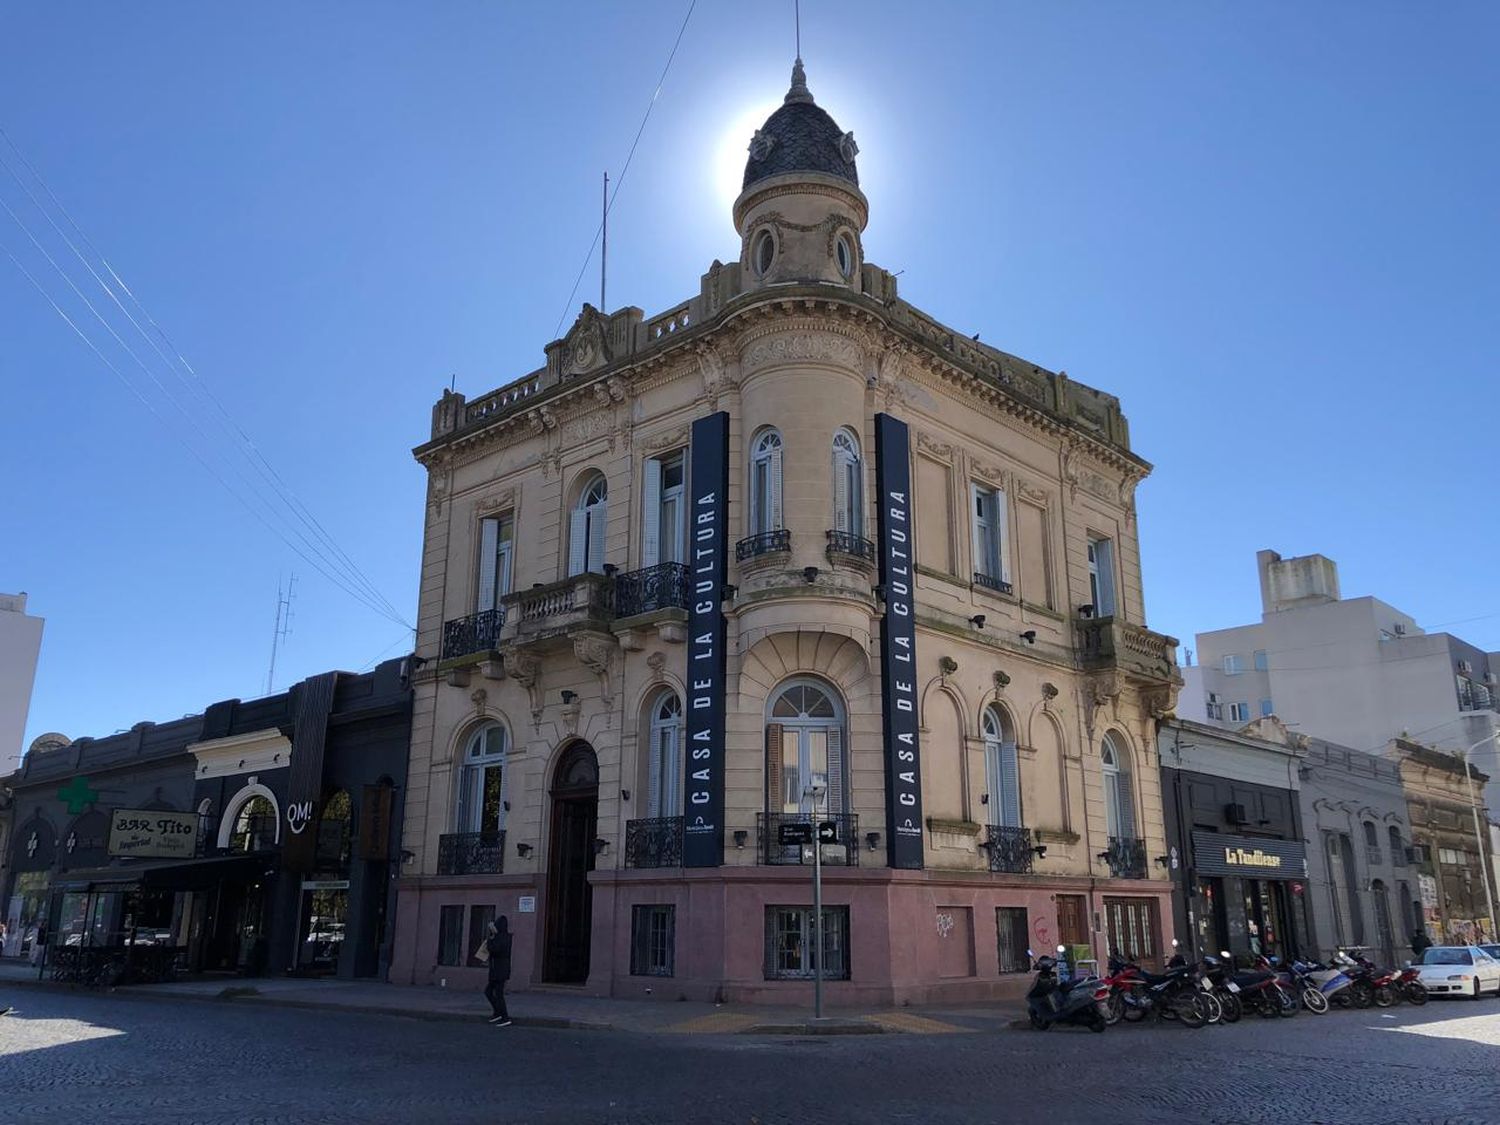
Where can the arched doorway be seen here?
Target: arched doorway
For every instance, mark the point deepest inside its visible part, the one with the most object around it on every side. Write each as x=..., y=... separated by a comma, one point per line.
x=575, y=813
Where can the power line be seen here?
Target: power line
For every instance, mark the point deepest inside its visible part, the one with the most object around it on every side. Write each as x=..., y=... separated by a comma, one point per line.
x=556, y=332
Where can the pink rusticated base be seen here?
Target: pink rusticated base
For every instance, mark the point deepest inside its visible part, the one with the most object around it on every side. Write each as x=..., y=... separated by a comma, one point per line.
x=916, y=937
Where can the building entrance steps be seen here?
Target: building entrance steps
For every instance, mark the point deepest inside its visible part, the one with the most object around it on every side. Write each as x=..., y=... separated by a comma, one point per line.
x=546, y=1008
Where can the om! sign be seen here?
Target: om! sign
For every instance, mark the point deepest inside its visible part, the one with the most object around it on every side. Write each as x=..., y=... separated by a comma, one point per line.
x=152, y=832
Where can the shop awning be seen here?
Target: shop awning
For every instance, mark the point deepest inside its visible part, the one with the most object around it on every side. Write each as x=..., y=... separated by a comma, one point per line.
x=1254, y=857
x=172, y=875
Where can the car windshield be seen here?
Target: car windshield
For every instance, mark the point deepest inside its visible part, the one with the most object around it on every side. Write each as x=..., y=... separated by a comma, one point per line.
x=1441, y=956
x=1492, y=950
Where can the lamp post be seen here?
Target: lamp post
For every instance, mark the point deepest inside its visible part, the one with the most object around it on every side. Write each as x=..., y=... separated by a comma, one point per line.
x=1484, y=871
x=815, y=792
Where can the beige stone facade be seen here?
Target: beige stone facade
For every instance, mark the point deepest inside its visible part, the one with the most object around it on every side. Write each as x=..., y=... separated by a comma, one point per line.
x=1453, y=851
x=804, y=337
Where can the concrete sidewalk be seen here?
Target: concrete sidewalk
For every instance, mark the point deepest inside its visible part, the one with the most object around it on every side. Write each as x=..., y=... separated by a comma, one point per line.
x=544, y=1008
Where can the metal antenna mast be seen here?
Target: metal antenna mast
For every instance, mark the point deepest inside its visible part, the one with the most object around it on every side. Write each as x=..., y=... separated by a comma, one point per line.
x=604, y=244
x=797, y=16
x=283, y=626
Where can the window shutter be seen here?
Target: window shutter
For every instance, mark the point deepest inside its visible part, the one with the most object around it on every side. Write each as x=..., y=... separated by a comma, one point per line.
x=598, y=518
x=489, y=539
x=655, y=775
x=1127, y=804
x=992, y=782
x=1010, y=785
x=977, y=513
x=672, y=767
x=774, y=796
x=578, y=529
x=775, y=524
x=837, y=782
x=1105, y=554
x=841, y=493
x=651, y=516
x=465, y=819
x=999, y=535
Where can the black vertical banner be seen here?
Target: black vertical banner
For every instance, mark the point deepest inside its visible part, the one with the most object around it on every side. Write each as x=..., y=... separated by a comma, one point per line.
x=708, y=570
x=898, y=645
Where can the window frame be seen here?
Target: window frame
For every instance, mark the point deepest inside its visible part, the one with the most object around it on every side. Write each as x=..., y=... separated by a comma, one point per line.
x=664, y=510
x=588, y=526
x=767, y=454
x=496, y=566
x=474, y=764
x=839, y=931
x=989, y=532
x=1100, y=553
x=805, y=726
x=644, y=948
x=848, y=483
x=450, y=941
x=1239, y=712
x=1002, y=768
x=1119, y=792
x=664, y=747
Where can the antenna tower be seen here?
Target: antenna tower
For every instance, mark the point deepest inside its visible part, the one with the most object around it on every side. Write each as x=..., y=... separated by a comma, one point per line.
x=283, y=627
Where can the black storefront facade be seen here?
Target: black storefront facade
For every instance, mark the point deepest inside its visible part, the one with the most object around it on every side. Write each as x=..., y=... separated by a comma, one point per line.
x=1235, y=846
x=260, y=837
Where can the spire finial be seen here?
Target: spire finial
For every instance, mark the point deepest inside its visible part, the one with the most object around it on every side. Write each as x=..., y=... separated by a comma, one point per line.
x=799, y=91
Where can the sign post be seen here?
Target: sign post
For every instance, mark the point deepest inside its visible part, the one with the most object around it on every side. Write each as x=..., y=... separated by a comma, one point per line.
x=815, y=792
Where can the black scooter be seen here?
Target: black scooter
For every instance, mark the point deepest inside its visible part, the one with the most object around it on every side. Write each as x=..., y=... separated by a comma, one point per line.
x=1052, y=1001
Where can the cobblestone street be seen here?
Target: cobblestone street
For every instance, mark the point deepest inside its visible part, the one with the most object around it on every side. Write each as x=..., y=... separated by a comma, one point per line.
x=126, y=1059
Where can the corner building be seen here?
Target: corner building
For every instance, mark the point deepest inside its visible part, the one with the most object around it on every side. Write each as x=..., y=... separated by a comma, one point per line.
x=565, y=767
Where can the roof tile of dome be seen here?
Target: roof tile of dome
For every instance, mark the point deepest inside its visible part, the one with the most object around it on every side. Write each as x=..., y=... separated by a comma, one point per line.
x=801, y=137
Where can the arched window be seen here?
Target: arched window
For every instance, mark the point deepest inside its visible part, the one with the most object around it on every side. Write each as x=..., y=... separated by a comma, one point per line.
x=481, y=783
x=1398, y=848
x=664, y=783
x=1119, y=804
x=805, y=747
x=765, y=482
x=334, y=831
x=255, y=826
x=1002, y=769
x=587, y=526
x=848, y=493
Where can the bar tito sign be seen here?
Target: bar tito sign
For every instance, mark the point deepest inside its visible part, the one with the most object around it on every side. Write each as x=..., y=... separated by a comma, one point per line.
x=708, y=563
x=898, y=645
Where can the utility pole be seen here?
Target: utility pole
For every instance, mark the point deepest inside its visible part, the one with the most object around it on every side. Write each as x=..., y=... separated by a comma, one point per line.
x=283, y=626
x=815, y=791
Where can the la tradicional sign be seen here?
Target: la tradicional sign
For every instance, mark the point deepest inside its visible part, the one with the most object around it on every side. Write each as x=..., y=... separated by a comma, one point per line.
x=152, y=832
x=1217, y=853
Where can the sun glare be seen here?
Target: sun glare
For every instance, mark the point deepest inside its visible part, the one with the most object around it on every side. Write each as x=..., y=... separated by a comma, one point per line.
x=733, y=150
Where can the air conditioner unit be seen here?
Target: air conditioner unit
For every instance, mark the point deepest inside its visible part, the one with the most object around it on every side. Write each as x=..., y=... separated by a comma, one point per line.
x=1235, y=814
x=1490, y=678
x=1400, y=629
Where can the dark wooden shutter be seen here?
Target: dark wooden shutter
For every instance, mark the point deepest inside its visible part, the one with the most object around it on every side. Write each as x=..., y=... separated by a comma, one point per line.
x=773, y=768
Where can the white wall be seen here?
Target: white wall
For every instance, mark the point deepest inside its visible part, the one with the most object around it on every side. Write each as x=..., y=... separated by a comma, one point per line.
x=20, y=645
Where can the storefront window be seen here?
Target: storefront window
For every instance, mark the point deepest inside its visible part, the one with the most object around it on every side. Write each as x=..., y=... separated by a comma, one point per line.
x=325, y=914
x=254, y=826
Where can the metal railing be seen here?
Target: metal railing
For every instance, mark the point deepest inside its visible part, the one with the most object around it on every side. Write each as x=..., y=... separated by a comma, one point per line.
x=1373, y=856
x=654, y=842
x=471, y=853
x=990, y=582
x=479, y=632
x=765, y=543
x=844, y=853
x=1126, y=856
x=1010, y=849
x=663, y=586
x=847, y=543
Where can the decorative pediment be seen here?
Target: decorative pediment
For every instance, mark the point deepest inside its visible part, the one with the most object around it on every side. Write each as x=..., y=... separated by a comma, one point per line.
x=586, y=346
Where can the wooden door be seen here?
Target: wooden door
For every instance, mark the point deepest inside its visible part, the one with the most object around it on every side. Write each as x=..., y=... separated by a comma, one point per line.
x=1072, y=920
x=575, y=812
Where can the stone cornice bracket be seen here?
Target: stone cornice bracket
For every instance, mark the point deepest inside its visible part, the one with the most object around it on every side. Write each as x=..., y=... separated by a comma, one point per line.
x=526, y=669
x=1049, y=693
x=1100, y=691
x=594, y=653
x=1158, y=701
x=439, y=484
x=657, y=662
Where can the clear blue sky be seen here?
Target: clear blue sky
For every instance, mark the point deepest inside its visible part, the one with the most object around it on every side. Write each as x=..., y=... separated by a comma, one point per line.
x=1271, y=229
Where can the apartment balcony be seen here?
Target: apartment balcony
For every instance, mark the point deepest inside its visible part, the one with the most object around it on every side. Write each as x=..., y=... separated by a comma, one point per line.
x=471, y=853
x=580, y=604
x=765, y=548
x=479, y=632
x=1107, y=643
x=849, y=550
x=1010, y=850
x=651, y=590
x=989, y=582
x=1373, y=856
x=773, y=853
x=654, y=842
x=1126, y=856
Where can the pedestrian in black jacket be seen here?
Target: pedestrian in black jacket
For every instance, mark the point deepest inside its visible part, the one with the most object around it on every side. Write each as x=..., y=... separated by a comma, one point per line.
x=498, y=947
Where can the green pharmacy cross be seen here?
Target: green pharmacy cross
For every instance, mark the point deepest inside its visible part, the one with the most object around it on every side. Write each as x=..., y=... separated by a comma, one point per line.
x=77, y=795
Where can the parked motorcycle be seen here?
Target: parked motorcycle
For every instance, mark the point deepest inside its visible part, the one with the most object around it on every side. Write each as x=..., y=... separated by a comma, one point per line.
x=1175, y=994
x=1051, y=1001
x=1260, y=992
x=1225, y=990
x=1298, y=981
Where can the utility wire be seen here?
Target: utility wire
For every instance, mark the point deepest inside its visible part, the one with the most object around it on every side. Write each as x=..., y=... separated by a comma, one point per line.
x=608, y=207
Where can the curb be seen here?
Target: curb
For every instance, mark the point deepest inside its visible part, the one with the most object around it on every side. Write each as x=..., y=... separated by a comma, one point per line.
x=842, y=1028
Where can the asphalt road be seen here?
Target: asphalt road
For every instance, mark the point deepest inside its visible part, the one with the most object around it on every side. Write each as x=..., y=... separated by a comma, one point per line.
x=80, y=1057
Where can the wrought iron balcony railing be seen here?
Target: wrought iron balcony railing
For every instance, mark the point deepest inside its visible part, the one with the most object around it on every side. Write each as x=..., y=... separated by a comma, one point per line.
x=1126, y=857
x=471, y=853
x=990, y=582
x=847, y=543
x=767, y=542
x=479, y=632
x=1373, y=856
x=663, y=586
x=654, y=842
x=1010, y=849
x=843, y=853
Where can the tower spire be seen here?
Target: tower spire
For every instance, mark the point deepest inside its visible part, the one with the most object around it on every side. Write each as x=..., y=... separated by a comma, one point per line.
x=799, y=91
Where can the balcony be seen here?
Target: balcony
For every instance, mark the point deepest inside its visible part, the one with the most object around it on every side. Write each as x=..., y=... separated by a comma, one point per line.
x=773, y=853
x=989, y=582
x=848, y=549
x=1373, y=856
x=479, y=632
x=1126, y=857
x=1011, y=850
x=654, y=842
x=766, y=543
x=584, y=602
x=1105, y=642
x=471, y=853
x=651, y=589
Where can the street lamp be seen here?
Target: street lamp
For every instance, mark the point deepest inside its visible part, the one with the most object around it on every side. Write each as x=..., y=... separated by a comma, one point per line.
x=1484, y=871
x=815, y=792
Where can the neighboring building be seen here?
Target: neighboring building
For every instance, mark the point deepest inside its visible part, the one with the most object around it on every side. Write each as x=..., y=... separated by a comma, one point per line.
x=259, y=836
x=1235, y=841
x=1364, y=879
x=20, y=645
x=1451, y=857
x=612, y=730
x=1355, y=671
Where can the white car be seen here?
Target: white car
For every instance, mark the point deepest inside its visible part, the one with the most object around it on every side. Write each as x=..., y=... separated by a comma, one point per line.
x=1458, y=970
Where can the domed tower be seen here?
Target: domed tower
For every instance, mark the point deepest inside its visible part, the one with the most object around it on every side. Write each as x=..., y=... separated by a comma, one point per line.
x=801, y=213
